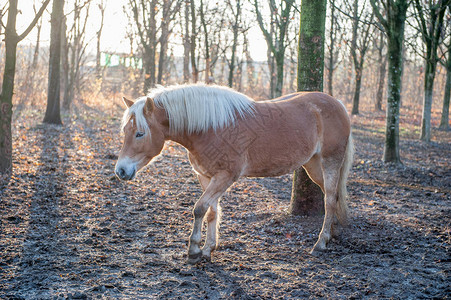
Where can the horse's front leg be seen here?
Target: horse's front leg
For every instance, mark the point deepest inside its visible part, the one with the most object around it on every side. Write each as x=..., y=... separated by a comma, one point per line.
x=211, y=242
x=216, y=187
x=213, y=218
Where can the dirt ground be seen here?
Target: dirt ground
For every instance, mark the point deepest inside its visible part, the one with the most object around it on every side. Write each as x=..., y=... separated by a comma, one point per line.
x=71, y=230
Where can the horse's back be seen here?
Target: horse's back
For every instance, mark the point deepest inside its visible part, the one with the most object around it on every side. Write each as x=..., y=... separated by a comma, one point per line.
x=289, y=130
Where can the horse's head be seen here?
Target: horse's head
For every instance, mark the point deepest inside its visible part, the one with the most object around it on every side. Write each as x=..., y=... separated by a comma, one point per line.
x=143, y=138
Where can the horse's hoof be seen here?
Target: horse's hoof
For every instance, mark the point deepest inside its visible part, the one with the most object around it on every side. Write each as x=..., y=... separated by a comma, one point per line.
x=194, y=258
x=317, y=249
x=206, y=258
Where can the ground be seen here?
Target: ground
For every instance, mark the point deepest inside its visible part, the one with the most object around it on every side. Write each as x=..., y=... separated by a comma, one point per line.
x=71, y=230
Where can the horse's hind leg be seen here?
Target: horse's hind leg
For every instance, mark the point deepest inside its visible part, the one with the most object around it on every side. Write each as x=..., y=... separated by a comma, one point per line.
x=331, y=174
x=315, y=171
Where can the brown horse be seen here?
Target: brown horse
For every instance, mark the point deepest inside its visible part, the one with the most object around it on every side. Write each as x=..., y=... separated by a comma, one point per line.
x=228, y=135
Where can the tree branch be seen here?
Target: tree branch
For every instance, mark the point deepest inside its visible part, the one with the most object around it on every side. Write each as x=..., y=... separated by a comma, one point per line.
x=35, y=20
x=378, y=14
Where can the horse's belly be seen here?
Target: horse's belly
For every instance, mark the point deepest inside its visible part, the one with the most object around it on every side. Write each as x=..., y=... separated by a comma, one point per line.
x=274, y=167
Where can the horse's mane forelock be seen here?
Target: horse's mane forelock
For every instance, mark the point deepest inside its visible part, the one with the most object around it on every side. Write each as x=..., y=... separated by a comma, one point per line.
x=197, y=108
x=137, y=111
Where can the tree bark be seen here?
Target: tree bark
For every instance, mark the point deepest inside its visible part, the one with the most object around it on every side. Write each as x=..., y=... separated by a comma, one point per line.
x=429, y=77
x=358, y=84
x=235, y=27
x=444, y=120
x=395, y=69
x=306, y=197
x=332, y=38
x=6, y=96
x=149, y=80
x=52, y=114
x=99, y=35
x=11, y=40
x=431, y=31
x=195, y=71
x=186, y=43
x=393, y=25
x=382, y=71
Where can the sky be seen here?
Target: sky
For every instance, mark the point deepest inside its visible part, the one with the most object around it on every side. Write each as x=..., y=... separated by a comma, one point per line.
x=114, y=31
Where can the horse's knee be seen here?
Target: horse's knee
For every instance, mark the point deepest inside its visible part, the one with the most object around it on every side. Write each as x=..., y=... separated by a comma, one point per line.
x=200, y=210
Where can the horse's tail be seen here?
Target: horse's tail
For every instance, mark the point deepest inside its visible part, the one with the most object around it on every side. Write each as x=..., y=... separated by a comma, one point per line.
x=342, y=205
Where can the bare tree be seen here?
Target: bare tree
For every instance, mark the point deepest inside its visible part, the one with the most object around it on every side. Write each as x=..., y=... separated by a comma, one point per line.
x=429, y=15
x=195, y=70
x=444, y=120
x=169, y=12
x=186, y=41
x=6, y=96
x=306, y=196
x=332, y=53
x=144, y=14
x=382, y=61
x=52, y=113
x=362, y=30
x=28, y=83
x=101, y=7
x=276, y=40
x=235, y=23
x=393, y=24
x=75, y=50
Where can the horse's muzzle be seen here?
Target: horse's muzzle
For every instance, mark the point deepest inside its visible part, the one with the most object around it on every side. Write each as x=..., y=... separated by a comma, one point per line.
x=122, y=174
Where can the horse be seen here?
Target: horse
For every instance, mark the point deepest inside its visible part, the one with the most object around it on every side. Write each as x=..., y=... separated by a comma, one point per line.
x=228, y=135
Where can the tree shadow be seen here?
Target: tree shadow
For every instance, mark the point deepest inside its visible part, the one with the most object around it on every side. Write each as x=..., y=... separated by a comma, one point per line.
x=44, y=253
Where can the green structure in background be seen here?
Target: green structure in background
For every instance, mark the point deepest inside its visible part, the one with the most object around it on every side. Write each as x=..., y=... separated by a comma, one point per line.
x=114, y=60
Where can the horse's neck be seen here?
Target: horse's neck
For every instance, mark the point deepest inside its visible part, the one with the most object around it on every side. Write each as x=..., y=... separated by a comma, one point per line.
x=185, y=140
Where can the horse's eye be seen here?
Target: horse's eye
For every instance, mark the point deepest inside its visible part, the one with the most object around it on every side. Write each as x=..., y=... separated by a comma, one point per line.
x=139, y=134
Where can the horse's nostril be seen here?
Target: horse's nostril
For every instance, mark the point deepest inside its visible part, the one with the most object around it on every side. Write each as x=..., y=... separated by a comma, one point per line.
x=120, y=173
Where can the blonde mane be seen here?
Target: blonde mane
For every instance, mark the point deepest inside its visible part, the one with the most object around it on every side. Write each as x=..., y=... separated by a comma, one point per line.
x=194, y=108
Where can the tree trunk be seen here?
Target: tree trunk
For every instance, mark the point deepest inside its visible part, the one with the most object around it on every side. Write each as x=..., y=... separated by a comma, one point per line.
x=444, y=120
x=234, y=44
x=99, y=36
x=330, y=74
x=186, y=44
x=358, y=83
x=150, y=51
x=272, y=76
x=164, y=38
x=395, y=68
x=6, y=105
x=429, y=76
x=280, y=59
x=306, y=197
x=163, y=54
x=195, y=71
x=393, y=25
x=207, y=44
x=382, y=71
x=52, y=114
x=9, y=72
x=311, y=46
x=65, y=64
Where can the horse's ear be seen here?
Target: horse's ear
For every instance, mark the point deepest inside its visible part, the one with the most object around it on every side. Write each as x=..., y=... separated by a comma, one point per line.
x=127, y=102
x=149, y=106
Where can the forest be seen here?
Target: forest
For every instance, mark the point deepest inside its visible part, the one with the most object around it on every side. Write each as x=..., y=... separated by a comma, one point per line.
x=71, y=229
